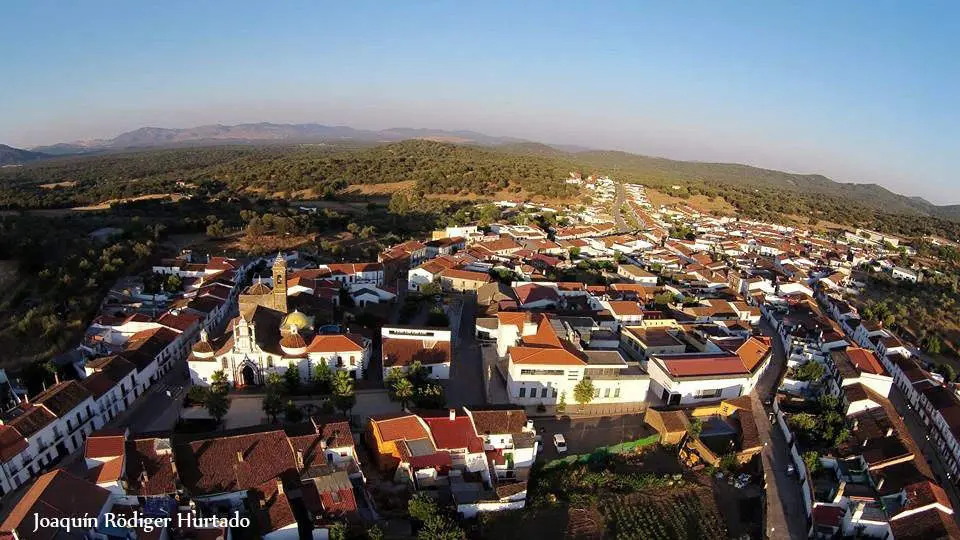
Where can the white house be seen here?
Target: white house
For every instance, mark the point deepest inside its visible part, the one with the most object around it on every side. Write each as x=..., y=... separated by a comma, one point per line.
x=404, y=345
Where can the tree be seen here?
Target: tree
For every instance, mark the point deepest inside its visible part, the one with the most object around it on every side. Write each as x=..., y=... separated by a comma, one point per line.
x=292, y=413
x=811, y=371
x=291, y=378
x=803, y=421
x=440, y=528
x=219, y=383
x=174, y=283
x=197, y=394
x=562, y=404
x=430, y=289
x=403, y=391
x=574, y=252
x=429, y=396
x=273, y=402
x=217, y=405
x=583, y=392
x=343, y=396
x=422, y=506
x=696, y=428
x=812, y=460
x=438, y=318
x=375, y=533
x=322, y=375
x=933, y=345
x=337, y=531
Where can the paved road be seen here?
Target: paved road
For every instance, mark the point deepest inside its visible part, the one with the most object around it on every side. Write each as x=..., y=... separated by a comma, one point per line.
x=617, y=204
x=584, y=435
x=465, y=386
x=785, y=515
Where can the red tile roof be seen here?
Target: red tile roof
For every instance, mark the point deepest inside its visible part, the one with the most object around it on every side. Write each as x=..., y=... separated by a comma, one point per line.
x=544, y=356
x=149, y=468
x=56, y=494
x=456, y=434
x=407, y=427
x=104, y=446
x=702, y=365
x=336, y=343
x=11, y=442
x=234, y=463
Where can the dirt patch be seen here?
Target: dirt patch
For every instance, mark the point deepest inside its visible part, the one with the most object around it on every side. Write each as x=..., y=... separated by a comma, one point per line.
x=387, y=188
x=58, y=184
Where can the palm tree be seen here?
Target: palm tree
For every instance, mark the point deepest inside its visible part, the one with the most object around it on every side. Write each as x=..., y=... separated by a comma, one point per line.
x=403, y=391
x=343, y=397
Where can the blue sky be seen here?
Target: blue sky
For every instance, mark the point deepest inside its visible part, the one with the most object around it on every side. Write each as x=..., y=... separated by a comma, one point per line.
x=859, y=91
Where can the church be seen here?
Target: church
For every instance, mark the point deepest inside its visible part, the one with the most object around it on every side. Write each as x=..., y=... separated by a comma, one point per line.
x=274, y=330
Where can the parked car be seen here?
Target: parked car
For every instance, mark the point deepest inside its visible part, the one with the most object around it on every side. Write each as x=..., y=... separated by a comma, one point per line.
x=560, y=443
x=539, y=443
x=791, y=470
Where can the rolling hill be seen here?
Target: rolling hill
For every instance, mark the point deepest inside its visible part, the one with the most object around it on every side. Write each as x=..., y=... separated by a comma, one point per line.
x=621, y=165
x=16, y=156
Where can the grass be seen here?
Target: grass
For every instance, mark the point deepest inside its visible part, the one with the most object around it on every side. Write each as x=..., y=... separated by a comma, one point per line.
x=717, y=205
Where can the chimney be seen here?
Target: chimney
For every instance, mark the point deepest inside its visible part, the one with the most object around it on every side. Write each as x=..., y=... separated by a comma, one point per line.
x=889, y=431
x=279, y=486
x=865, y=441
x=880, y=482
x=299, y=459
x=856, y=424
x=239, y=456
x=453, y=414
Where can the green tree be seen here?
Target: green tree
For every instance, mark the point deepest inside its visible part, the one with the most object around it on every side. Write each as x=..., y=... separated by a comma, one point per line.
x=437, y=317
x=403, y=391
x=273, y=402
x=291, y=378
x=574, y=252
x=562, y=404
x=422, y=506
x=440, y=528
x=274, y=379
x=337, y=531
x=933, y=344
x=812, y=460
x=218, y=403
x=375, y=533
x=219, y=383
x=292, y=413
x=430, y=289
x=343, y=396
x=583, y=392
x=322, y=375
x=696, y=428
x=810, y=370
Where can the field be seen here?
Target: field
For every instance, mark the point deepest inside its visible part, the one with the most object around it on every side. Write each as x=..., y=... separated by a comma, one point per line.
x=716, y=205
x=643, y=495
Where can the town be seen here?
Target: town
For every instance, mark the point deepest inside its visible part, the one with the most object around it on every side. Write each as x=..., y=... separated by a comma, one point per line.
x=544, y=371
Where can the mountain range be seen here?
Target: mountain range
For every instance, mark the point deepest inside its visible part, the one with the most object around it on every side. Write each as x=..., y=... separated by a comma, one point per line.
x=638, y=166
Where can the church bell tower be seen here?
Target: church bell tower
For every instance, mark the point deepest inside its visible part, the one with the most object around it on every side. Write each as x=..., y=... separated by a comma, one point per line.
x=280, y=284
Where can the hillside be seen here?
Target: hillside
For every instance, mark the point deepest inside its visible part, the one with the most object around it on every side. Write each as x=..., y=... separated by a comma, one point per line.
x=15, y=156
x=455, y=170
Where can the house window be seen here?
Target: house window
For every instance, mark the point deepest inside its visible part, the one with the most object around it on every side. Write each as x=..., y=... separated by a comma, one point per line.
x=523, y=392
x=353, y=360
x=703, y=394
x=554, y=392
x=616, y=392
x=543, y=392
x=269, y=361
x=596, y=392
x=606, y=392
x=223, y=363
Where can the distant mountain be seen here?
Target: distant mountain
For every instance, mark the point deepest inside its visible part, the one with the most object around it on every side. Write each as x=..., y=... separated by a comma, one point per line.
x=15, y=156
x=265, y=132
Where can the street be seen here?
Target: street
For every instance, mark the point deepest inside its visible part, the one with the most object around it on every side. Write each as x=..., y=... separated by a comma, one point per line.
x=617, y=204
x=785, y=515
x=465, y=385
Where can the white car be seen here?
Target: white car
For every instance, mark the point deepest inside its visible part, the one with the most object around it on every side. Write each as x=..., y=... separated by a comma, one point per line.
x=560, y=443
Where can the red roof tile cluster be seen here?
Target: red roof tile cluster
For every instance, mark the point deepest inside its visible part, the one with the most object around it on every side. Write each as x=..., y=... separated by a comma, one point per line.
x=454, y=434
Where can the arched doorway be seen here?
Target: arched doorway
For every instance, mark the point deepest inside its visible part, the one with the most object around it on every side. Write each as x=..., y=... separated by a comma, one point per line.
x=248, y=376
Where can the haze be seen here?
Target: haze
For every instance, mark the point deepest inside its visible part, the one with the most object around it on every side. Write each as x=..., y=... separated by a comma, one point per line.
x=861, y=92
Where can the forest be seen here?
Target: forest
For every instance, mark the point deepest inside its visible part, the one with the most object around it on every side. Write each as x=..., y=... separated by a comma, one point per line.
x=324, y=170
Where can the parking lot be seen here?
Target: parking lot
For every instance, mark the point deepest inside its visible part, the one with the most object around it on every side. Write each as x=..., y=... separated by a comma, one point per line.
x=584, y=435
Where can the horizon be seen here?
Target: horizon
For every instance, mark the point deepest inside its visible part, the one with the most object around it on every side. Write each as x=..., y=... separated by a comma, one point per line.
x=865, y=99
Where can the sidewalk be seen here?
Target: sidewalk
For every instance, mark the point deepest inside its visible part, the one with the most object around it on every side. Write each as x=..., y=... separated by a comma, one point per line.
x=589, y=411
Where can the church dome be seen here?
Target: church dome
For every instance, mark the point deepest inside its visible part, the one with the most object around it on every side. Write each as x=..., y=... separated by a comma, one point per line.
x=293, y=344
x=296, y=320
